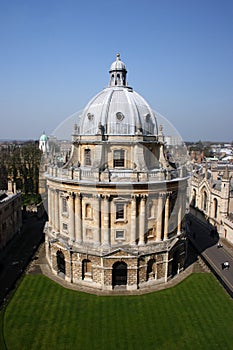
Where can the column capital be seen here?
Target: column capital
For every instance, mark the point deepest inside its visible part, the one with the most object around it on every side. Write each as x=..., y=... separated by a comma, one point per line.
x=144, y=196
x=105, y=196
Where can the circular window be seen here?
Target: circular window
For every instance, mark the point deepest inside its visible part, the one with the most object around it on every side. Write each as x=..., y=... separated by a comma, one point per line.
x=119, y=116
x=90, y=116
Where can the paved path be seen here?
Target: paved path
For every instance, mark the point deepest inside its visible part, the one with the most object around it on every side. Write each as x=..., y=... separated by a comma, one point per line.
x=207, y=245
x=18, y=253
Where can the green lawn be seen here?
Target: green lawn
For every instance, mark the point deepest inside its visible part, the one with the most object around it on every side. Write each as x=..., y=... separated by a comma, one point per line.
x=196, y=314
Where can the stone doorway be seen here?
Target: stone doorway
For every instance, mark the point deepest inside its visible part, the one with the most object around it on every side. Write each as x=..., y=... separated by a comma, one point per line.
x=119, y=274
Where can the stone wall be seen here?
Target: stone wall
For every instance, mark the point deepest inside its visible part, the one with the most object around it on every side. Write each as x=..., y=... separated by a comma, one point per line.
x=100, y=274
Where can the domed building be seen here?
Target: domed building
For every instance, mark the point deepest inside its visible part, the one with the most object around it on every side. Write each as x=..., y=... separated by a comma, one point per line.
x=44, y=143
x=116, y=207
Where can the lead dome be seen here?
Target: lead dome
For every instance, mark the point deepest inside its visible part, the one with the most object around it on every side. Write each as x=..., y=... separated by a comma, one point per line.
x=118, y=109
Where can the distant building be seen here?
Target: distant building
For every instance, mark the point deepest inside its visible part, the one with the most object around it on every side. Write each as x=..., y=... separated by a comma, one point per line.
x=44, y=143
x=212, y=197
x=116, y=207
x=10, y=214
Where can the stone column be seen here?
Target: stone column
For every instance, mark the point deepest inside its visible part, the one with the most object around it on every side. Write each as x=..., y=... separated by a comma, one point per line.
x=133, y=221
x=57, y=208
x=71, y=217
x=142, y=220
x=159, y=218
x=166, y=219
x=49, y=205
x=97, y=220
x=52, y=207
x=105, y=235
x=78, y=218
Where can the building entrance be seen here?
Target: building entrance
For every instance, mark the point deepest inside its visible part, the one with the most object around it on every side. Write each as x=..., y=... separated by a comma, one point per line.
x=119, y=274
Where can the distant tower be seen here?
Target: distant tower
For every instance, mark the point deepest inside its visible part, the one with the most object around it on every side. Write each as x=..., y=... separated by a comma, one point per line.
x=44, y=143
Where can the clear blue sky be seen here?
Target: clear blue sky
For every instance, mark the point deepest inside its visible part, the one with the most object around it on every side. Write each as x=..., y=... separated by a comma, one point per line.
x=55, y=55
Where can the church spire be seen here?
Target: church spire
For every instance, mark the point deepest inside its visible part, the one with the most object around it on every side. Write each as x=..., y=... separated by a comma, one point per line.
x=118, y=72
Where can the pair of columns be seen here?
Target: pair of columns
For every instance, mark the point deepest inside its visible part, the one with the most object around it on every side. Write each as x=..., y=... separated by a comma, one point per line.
x=142, y=218
x=74, y=212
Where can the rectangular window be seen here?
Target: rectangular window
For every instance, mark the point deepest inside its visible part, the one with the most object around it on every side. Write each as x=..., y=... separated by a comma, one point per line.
x=64, y=205
x=119, y=158
x=87, y=156
x=119, y=211
x=120, y=234
x=89, y=233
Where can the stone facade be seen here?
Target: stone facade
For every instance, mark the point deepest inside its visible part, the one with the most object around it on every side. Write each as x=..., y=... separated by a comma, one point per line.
x=212, y=198
x=116, y=208
x=10, y=214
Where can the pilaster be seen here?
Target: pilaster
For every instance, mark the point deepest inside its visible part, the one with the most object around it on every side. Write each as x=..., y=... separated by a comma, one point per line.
x=160, y=217
x=105, y=231
x=133, y=221
x=78, y=218
x=71, y=216
x=166, y=218
x=97, y=220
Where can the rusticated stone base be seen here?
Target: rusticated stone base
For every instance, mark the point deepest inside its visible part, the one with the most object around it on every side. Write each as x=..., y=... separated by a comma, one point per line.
x=119, y=268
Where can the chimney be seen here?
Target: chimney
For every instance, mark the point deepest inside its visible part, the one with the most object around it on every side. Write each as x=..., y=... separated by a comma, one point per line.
x=10, y=187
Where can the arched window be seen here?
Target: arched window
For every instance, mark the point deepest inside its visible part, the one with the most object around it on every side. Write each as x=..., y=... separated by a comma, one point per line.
x=86, y=269
x=61, y=264
x=64, y=205
x=88, y=211
x=119, y=273
x=87, y=156
x=120, y=211
x=204, y=206
x=151, y=269
x=215, y=208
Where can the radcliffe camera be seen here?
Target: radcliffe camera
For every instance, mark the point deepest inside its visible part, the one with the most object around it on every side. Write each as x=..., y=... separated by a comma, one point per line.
x=116, y=158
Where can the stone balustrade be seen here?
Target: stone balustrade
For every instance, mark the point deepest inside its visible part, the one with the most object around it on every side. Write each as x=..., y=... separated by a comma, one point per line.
x=82, y=174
